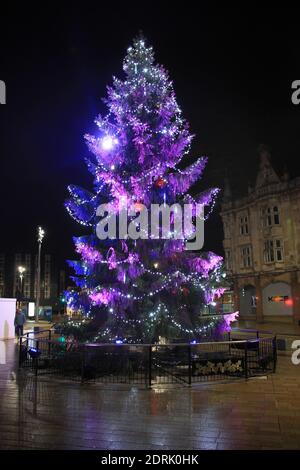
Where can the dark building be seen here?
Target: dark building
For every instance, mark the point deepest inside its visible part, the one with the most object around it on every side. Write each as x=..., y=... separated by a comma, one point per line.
x=22, y=284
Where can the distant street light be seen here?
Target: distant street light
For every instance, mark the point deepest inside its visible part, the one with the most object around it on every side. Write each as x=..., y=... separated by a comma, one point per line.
x=40, y=236
x=21, y=271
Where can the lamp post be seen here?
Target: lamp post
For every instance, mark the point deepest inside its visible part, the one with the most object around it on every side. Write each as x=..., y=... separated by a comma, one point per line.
x=40, y=236
x=21, y=271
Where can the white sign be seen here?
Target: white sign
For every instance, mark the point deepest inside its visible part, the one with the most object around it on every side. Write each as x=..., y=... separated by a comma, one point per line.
x=31, y=309
x=7, y=317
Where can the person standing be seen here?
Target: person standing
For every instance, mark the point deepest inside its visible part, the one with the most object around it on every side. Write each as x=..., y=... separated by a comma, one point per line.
x=19, y=322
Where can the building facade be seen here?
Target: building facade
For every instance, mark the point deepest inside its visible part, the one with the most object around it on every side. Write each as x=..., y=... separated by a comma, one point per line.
x=262, y=246
x=12, y=285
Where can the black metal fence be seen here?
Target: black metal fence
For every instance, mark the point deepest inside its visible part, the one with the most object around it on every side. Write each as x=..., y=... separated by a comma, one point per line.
x=148, y=364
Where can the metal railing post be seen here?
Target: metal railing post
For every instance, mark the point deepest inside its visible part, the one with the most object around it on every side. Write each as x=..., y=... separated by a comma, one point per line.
x=190, y=363
x=20, y=351
x=150, y=366
x=49, y=343
x=36, y=360
x=246, y=360
x=82, y=364
x=274, y=344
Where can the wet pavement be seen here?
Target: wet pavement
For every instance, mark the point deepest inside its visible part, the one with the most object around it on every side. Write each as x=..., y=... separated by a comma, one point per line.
x=40, y=413
x=277, y=328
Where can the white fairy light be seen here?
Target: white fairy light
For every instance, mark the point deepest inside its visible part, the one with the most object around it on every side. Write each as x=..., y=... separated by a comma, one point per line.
x=108, y=142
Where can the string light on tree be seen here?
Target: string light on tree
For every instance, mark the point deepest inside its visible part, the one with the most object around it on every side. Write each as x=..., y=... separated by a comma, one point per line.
x=138, y=146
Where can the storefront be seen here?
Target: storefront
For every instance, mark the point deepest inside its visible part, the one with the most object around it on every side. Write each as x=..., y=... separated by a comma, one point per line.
x=277, y=299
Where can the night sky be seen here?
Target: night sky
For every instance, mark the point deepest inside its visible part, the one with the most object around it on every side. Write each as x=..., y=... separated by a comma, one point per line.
x=232, y=74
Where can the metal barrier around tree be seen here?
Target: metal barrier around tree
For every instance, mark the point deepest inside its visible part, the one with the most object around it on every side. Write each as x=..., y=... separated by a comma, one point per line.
x=148, y=364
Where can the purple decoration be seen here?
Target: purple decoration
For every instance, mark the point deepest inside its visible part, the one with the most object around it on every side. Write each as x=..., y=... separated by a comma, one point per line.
x=182, y=181
x=133, y=258
x=88, y=253
x=111, y=258
x=103, y=297
x=229, y=318
x=121, y=275
x=224, y=326
x=205, y=265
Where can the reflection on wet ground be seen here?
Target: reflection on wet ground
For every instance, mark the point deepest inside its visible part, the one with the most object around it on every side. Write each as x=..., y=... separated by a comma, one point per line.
x=40, y=413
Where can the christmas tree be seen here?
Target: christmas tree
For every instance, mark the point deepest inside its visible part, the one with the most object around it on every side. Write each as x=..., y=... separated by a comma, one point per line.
x=140, y=287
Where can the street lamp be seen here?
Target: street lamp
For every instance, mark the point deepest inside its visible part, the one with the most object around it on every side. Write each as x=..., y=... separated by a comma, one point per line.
x=40, y=236
x=21, y=271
